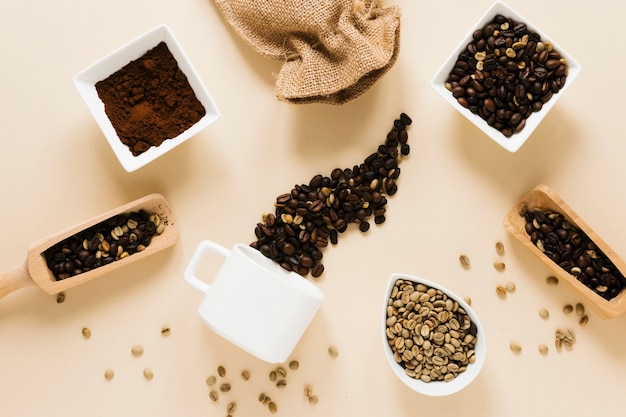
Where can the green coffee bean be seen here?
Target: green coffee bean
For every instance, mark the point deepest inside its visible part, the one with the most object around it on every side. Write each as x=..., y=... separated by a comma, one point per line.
x=515, y=348
x=214, y=396
x=500, y=248
x=333, y=351
x=148, y=374
x=552, y=281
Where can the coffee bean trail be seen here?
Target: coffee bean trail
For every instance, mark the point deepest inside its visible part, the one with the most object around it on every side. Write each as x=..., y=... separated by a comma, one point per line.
x=312, y=215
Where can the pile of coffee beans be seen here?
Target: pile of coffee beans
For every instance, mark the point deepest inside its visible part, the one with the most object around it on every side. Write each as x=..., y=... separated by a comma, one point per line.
x=430, y=335
x=506, y=73
x=312, y=215
x=110, y=240
x=573, y=250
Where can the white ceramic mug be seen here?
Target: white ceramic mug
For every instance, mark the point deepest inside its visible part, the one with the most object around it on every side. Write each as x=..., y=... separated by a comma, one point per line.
x=253, y=302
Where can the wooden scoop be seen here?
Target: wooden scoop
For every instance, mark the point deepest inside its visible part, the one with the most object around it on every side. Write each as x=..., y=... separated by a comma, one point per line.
x=36, y=272
x=542, y=197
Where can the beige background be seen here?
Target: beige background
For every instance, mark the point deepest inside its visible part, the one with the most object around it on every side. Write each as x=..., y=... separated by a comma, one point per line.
x=57, y=170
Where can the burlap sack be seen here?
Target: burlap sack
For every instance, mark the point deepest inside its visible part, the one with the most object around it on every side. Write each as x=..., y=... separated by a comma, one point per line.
x=333, y=50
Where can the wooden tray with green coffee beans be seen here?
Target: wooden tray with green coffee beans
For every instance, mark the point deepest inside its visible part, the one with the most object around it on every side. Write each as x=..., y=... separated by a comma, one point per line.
x=36, y=270
x=561, y=239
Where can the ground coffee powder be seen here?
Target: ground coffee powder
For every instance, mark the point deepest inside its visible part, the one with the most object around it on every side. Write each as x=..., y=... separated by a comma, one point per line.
x=149, y=100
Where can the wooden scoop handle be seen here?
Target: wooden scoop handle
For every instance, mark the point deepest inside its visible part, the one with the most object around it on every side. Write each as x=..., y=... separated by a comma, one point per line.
x=15, y=280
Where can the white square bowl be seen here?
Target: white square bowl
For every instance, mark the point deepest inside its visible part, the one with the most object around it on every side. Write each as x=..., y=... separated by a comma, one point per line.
x=85, y=83
x=513, y=143
x=434, y=388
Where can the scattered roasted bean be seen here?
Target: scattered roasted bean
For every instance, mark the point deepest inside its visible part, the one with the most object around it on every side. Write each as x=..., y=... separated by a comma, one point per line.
x=165, y=331
x=543, y=349
x=464, y=260
x=60, y=298
x=109, y=374
x=293, y=365
x=225, y=387
x=101, y=244
x=515, y=347
x=503, y=77
x=231, y=408
x=86, y=332
x=272, y=407
x=221, y=371
x=544, y=314
x=281, y=383
x=567, y=309
x=211, y=380
x=573, y=251
x=468, y=300
x=311, y=215
x=245, y=375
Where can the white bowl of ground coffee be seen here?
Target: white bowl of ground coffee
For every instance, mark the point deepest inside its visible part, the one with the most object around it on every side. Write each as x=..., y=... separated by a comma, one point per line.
x=146, y=97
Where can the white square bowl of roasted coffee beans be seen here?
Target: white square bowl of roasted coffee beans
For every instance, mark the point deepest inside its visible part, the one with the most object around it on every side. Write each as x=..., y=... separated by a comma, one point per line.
x=146, y=97
x=432, y=338
x=505, y=76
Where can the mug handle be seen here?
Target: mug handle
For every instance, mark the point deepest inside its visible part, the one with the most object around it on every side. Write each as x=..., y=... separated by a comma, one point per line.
x=203, y=248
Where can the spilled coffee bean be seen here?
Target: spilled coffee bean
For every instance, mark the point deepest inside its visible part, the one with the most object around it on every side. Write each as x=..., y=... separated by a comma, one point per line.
x=312, y=215
x=571, y=249
x=108, y=241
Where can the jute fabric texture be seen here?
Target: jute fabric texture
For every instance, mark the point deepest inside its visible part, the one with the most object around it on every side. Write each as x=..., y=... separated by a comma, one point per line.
x=332, y=50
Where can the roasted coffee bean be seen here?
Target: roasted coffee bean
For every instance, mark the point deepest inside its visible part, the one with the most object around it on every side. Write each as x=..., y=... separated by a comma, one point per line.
x=311, y=215
x=507, y=69
x=572, y=250
x=102, y=243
